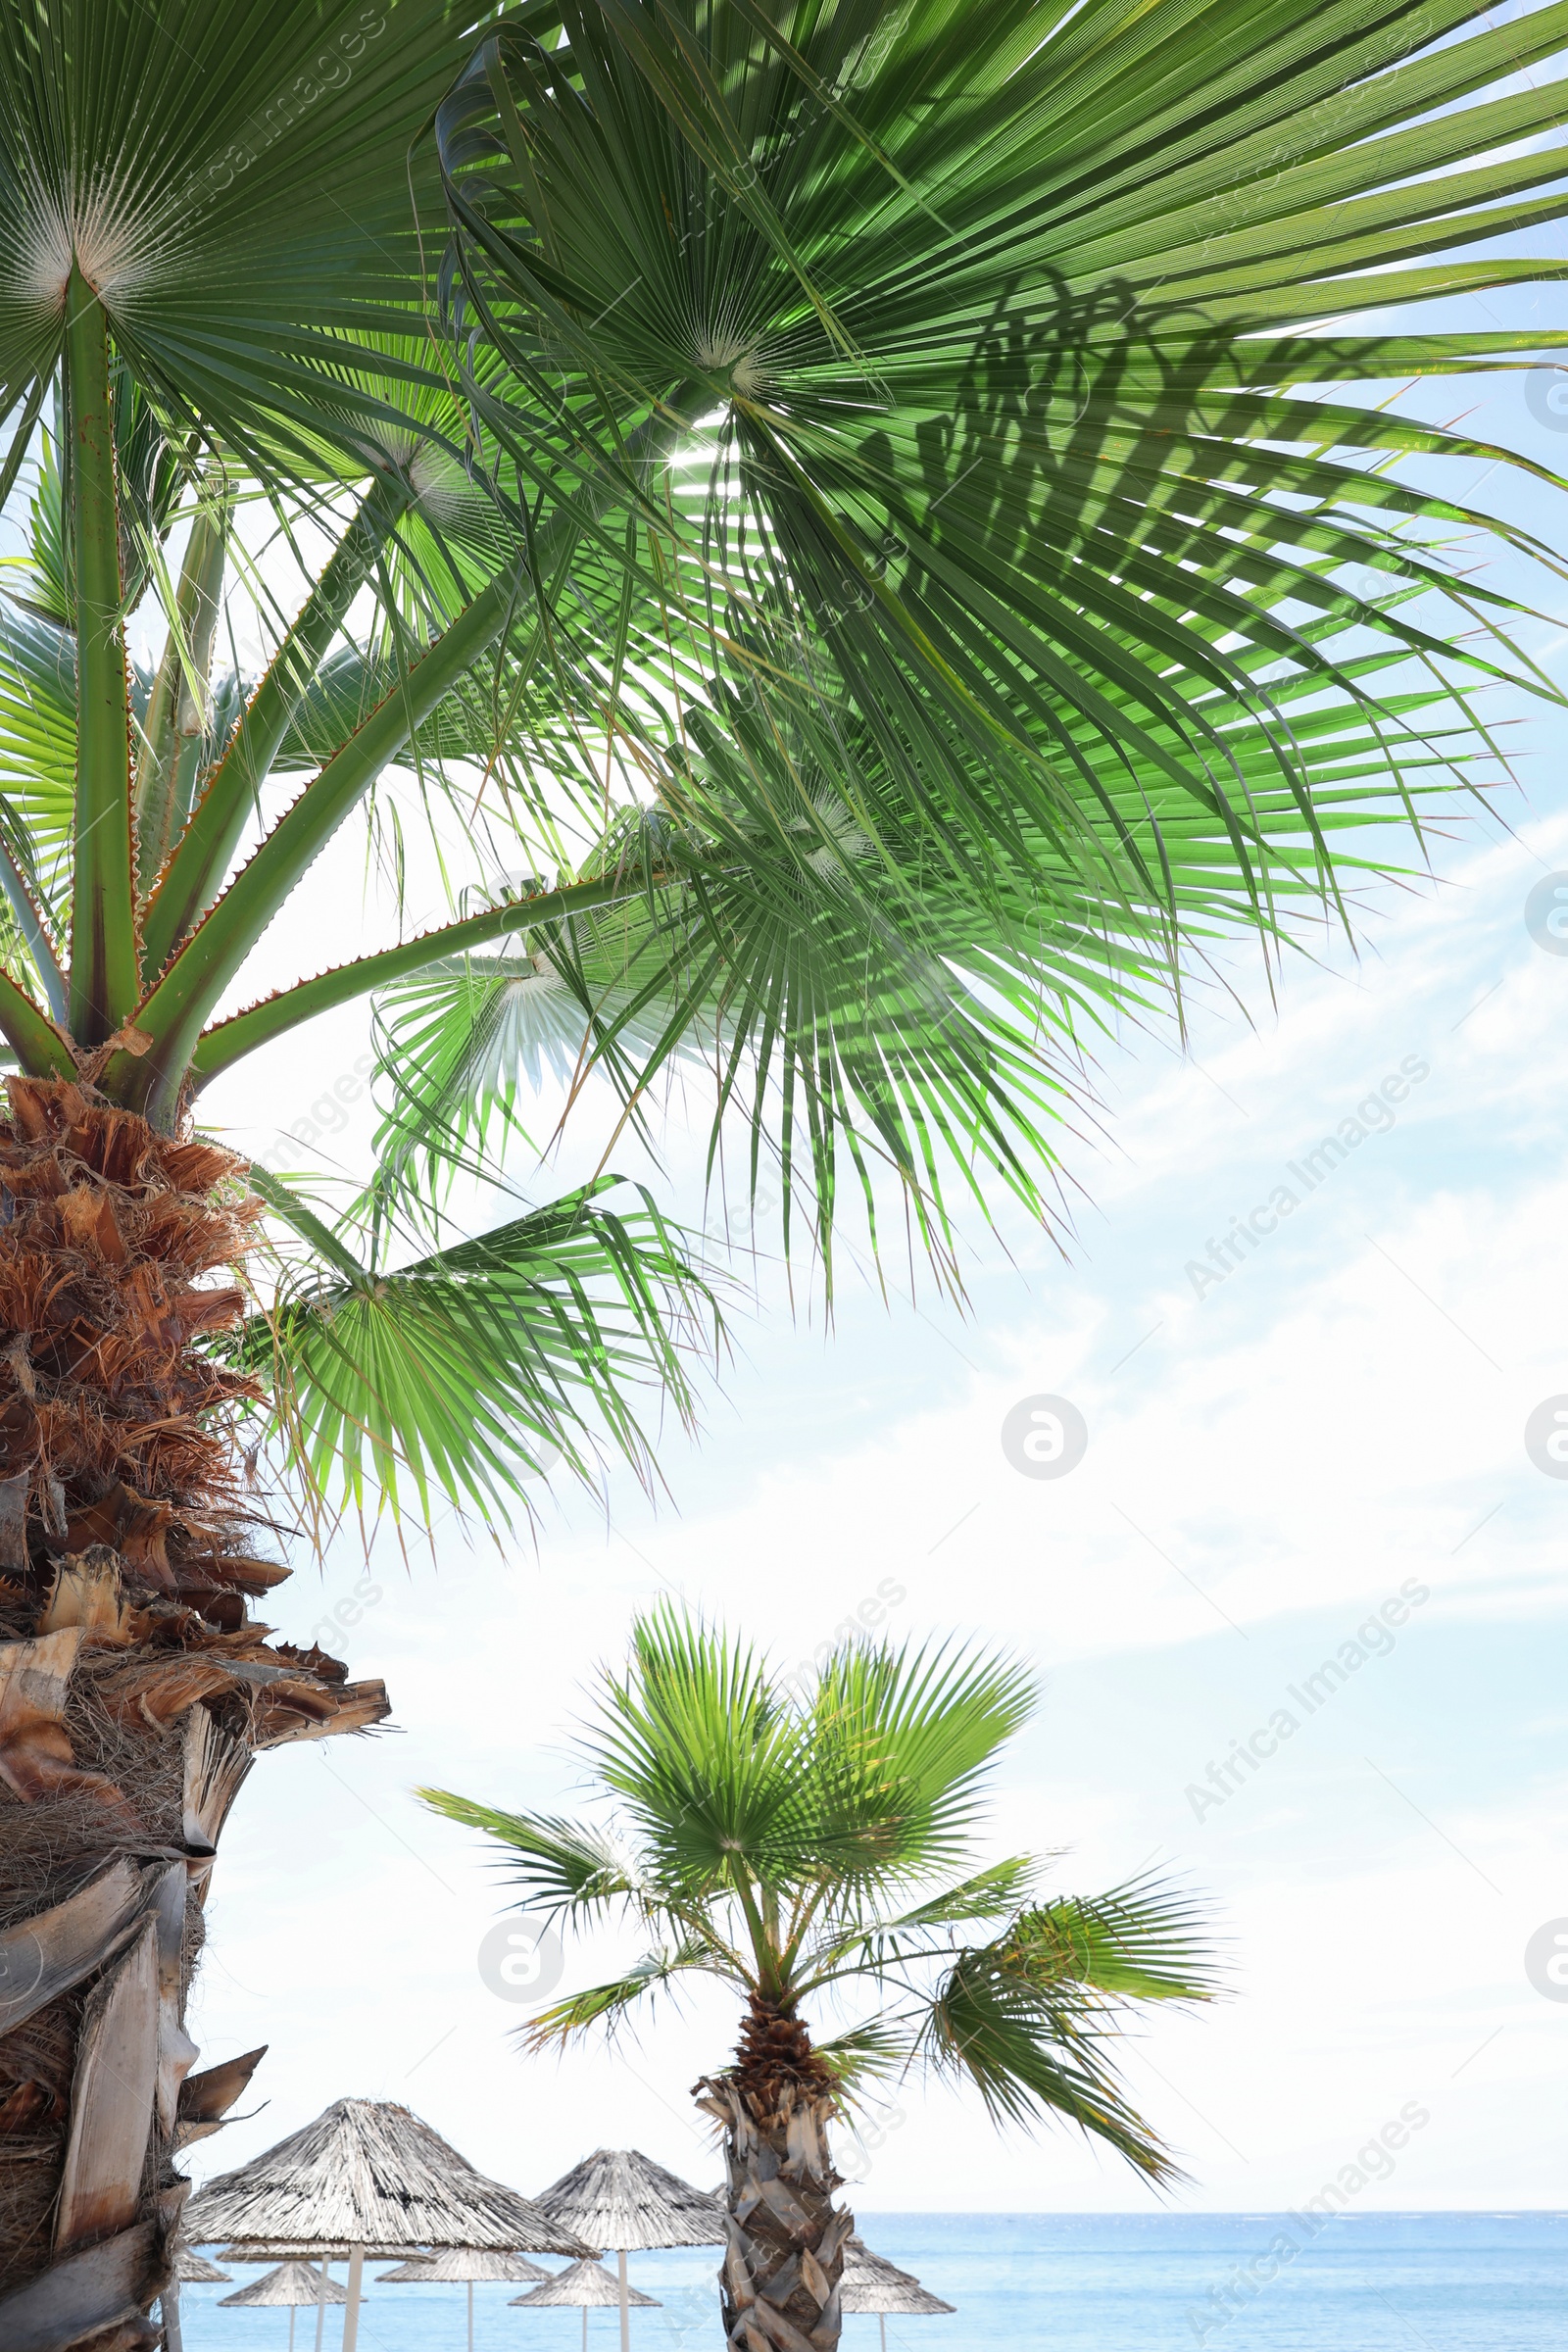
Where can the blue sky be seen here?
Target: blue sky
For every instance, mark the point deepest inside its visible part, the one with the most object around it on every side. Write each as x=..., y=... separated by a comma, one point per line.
x=1267, y=1465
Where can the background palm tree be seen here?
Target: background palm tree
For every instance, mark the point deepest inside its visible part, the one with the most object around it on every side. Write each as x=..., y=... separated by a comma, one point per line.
x=841, y=503
x=818, y=1850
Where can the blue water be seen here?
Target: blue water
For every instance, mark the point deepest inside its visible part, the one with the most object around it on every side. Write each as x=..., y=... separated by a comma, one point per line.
x=1066, y=2282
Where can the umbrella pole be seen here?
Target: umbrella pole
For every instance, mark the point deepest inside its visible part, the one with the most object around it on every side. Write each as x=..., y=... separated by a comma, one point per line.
x=882, y=2322
x=168, y=2313
x=321, y=2304
x=625, y=2307
x=291, y=2327
x=351, y=2309
x=585, y=2328
x=471, y=2316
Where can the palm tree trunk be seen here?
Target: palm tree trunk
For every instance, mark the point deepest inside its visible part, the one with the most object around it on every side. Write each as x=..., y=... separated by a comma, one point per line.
x=134, y=1691
x=784, y=2256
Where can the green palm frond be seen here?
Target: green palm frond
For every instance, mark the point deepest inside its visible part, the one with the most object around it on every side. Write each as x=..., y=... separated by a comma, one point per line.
x=1013, y=517
x=1146, y=1939
x=1025, y=2019
x=868, y=501
x=610, y=2007
x=903, y=1742
x=866, y=2055
x=1030, y=2055
x=707, y=1765
x=39, y=737
x=563, y=1867
x=984, y=1897
x=350, y=684
x=471, y=1369
x=151, y=478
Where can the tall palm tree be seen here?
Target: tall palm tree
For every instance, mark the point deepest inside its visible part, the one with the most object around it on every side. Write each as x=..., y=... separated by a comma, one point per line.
x=818, y=1851
x=836, y=517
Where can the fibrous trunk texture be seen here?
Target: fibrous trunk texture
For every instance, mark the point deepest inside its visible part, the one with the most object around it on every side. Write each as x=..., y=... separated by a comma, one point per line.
x=134, y=1690
x=784, y=2254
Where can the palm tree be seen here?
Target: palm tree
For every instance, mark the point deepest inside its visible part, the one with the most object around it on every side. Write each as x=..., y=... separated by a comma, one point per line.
x=835, y=521
x=818, y=1849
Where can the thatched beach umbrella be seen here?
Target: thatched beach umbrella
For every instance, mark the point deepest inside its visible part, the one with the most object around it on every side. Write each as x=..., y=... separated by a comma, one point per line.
x=254, y=2250
x=194, y=2269
x=465, y=2263
x=872, y=2283
x=293, y=2284
x=589, y=2285
x=622, y=2202
x=368, y=2176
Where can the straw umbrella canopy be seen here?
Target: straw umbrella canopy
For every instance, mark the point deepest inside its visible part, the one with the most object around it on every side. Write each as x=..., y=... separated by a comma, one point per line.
x=870, y=2283
x=455, y=2264
x=465, y=2263
x=589, y=2285
x=369, y=2176
x=618, y=2199
x=292, y=2283
x=253, y=2250
x=194, y=2269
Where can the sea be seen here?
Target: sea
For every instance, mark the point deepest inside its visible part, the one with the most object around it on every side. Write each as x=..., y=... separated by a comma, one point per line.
x=1064, y=2283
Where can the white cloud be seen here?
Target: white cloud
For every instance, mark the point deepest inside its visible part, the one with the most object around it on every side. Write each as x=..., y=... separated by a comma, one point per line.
x=1343, y=1412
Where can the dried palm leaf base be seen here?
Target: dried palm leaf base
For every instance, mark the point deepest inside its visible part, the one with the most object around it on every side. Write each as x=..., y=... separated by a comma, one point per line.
x=134, y=1691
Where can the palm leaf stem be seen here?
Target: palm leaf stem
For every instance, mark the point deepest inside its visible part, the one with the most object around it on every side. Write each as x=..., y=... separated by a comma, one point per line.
x=310, y=1227
x=207, y=847
x=227, y=1041
x=177, y=714
x=191, y=988
x=29, y=923
x=104, y=978
x=38, y=1044
x=767, y=1980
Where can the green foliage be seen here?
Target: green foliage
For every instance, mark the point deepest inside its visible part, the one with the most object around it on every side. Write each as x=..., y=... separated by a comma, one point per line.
x=470, y=1370
x=1013, y=523
x=811, y=1839
x=882, y=516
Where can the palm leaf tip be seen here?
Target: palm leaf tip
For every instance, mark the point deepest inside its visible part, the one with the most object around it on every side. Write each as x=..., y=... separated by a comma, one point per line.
x=466, y=1370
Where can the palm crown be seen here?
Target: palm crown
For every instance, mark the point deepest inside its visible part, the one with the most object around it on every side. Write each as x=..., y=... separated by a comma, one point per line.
x=817, y=1846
